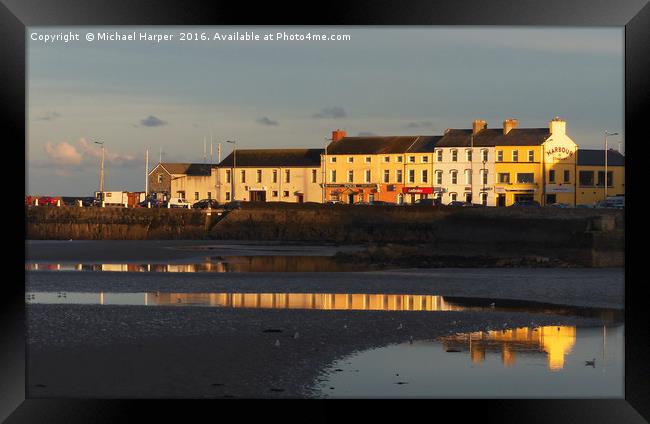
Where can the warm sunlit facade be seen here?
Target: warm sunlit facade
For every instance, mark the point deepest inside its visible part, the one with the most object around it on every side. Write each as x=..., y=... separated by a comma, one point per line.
x=591, y=175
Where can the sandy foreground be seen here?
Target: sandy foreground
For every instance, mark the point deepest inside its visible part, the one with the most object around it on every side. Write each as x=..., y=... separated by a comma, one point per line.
x=202, y=352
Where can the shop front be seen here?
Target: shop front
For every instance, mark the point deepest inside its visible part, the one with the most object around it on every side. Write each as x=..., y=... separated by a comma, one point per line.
x=413, y=194
x=351, y=193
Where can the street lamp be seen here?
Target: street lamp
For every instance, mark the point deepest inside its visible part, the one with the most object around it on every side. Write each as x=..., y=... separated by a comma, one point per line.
x=484, y=194
x=605, y=182
x=101, y=170
x=325, y=169
x=234, y=165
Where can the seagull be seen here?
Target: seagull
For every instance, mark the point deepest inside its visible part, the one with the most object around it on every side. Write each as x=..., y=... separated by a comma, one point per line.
x=591, y=363
x=296, y=335
x=411, y=339
x=345, y=326
x=492, y=305
x=277, y=342
x=400, y=326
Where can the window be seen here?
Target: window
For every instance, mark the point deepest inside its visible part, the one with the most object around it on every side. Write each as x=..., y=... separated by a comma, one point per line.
x=438, y=177
x=601, y=178
x=425, y=159
x=468, y=197
x=399, y=159
x=499, y=155
x=453, y=197
x=484, y=154
x=484, y=176
x=504, y=178
x=468, y=176
x=227, y=195
x=367, y=175
x=274, y=193
x=160, y=178
x=386, y=176
x=313, y=175
x=386, y=159
x=531, y=156
x=411, y=175
x=515, y=155
x=228, y=176
x=196, y=195
x=350, y=159
x=259, y=176
x=425, y=176
x=333, y=176
x=285, y=194
x=368, y=159
x=525, y=177
x=275, y=176
x=350, y=176
x=287, y=176
x=243, y=176
x=567, y=176
x=468, y=155
x=209, y=195
x=454, y=177
x=439, y=152
x=411, y=159
x=454, y=155
x=333, y=159
x=586, y=178
x=398, y=176
x=551, y=176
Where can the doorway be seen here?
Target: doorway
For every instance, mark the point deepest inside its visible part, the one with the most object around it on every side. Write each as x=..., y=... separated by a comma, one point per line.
x=551, y=199
x=258, y=196
x=501, y=200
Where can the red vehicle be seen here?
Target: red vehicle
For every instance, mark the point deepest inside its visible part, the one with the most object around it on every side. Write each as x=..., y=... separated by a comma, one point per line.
x=48, y=200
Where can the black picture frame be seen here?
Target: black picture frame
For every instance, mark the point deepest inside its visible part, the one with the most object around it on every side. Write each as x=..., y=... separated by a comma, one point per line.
x=634, y=15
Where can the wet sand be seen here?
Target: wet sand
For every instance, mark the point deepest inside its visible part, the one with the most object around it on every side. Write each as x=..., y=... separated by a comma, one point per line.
x=195, y=352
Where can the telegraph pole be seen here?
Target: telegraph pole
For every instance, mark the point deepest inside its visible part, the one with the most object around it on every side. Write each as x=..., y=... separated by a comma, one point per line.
x=101, y=170
x=234, y=166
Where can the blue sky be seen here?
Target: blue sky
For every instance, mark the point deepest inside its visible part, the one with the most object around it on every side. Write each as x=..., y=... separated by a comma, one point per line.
x=273, y=94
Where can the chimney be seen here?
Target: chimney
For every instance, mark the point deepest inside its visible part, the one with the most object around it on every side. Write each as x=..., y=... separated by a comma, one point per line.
x=478, y=125
x=509, y=124
x=557, y=126
x=338, y=134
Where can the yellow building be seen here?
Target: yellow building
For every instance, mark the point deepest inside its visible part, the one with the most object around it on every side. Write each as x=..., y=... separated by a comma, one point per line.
x=591, y=176
x=535, y=164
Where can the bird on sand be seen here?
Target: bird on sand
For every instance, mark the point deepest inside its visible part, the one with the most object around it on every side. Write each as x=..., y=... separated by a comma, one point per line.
x=400, y=326
x=296, y=335
x=277, y=342
x=492, y=305
x=591, y=363
x=411, y=339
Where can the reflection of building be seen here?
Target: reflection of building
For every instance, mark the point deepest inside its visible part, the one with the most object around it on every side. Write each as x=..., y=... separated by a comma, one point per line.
x=555, y=341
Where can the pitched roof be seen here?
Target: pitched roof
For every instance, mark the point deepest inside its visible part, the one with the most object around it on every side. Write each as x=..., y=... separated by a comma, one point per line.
x=595, y=157
x=489, y=137
x=274, y=158
x=381, y=145
x=198, y=169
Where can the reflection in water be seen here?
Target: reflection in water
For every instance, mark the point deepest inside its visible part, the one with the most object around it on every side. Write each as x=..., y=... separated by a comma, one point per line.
x=516, y=363
x=555, y=341
x=262, y=263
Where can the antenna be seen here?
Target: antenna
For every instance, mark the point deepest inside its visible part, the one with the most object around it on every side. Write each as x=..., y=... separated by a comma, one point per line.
x=219, y=153
x=204, y=151
x=211, y=160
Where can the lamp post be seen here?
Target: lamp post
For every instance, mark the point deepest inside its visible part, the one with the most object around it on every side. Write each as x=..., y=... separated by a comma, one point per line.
x=325, y=169
x=484, y=194
x=234, y=165
x=605, y=182
x=101, y=171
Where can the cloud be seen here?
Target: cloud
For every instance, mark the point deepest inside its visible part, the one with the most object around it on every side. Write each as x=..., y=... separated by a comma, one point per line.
x=47, y=116
x=420, y=124
x=94, y=151
x=152, y=121
x=265, y=120
x=331, y=112
x=63, y=154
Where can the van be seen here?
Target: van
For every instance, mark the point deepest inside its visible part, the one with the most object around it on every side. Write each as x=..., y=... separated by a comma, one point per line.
x=178, y=202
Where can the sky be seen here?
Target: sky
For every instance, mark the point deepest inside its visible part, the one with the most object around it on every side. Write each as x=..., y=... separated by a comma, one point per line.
x=172, y=96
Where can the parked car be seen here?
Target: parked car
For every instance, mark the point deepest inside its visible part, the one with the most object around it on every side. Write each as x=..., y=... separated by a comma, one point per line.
x=205, y=204
x=425, y=202
x=610, y=204
x=560, y=205
x=155, y=203
x=583, y=206
x=178, y=202
x=235, y=204
x=382, y=203
x=458, y=203
x=48, y=201
x=333, y=202
x=526, y=204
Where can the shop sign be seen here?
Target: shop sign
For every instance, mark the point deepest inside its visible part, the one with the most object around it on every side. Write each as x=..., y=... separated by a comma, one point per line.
x=417, y=190
x=553, y=188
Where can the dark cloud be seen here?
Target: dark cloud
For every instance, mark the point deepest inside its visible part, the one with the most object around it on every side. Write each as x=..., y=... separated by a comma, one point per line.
x=152, y=121
x=366, y=134
x=47, y=116
x=331, y=112
x=265, y=120
x=420, y=124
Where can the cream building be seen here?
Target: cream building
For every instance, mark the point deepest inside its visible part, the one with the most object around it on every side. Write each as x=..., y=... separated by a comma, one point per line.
x=270, y=175
x=190, y=181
